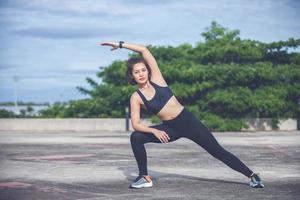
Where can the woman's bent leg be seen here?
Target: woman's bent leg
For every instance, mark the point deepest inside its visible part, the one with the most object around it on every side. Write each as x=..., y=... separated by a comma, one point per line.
x=138, y=139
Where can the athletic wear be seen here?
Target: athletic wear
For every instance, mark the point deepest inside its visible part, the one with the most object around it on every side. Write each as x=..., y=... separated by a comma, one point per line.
x=188, y=126
x=161, y=97
x=142, y=182
x=255, y=181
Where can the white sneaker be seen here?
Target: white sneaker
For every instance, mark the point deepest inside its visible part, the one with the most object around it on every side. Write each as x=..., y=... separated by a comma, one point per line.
x=255, y=181
x=142, y=181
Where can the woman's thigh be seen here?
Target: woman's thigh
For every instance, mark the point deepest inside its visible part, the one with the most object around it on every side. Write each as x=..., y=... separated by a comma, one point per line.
x=200, y=134
x=150, y=137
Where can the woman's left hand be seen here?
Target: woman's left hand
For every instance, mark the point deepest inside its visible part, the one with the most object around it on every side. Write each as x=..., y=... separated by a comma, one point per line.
x=112, y=44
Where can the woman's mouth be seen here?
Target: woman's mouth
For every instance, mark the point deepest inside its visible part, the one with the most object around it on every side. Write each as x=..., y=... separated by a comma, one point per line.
x=141, y=79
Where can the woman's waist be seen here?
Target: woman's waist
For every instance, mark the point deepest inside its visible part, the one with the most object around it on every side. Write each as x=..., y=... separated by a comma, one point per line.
x=170, y=112
x=176, y=117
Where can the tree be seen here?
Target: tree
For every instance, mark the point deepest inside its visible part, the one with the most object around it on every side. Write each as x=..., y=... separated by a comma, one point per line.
x=222, y=80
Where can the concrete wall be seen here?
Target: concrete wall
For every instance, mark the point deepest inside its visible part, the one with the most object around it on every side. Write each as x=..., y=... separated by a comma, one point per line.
x=265, y=124
x=115, y=124
x=67, y=124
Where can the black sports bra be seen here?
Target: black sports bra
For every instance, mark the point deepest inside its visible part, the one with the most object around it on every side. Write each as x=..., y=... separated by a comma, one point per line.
x=160, y=98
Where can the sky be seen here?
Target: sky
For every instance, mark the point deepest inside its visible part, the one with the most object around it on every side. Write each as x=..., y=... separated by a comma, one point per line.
x=51, y=45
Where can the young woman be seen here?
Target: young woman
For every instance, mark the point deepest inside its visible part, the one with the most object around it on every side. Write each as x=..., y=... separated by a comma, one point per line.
x=154, y=95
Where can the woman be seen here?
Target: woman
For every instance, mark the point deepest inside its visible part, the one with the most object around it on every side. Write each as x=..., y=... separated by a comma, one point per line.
x=154, y=95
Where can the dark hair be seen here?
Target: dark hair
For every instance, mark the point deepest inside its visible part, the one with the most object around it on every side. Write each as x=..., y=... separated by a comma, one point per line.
x=130, y=63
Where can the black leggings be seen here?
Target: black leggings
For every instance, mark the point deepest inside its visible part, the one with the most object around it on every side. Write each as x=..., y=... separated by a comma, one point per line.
x=188, y=126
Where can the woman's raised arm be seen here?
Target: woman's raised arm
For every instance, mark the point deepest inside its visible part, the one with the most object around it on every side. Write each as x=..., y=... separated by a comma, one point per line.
x=146, y=54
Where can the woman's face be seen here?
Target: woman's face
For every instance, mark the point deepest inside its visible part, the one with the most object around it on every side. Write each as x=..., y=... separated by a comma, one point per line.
x=140, y=73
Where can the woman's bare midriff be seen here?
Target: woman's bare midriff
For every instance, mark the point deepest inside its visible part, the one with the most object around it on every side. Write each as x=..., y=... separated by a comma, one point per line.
x=170, y=110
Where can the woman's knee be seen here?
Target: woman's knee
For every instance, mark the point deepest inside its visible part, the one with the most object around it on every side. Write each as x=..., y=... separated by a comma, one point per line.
x=136, y=136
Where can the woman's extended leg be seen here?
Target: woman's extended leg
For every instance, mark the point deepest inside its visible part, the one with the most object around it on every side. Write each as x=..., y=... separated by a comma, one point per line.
x=138, y=139
x=200, y=134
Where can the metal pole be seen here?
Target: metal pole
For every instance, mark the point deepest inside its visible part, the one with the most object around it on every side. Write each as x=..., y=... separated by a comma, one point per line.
x=298, y=117
x=16, y=78
x=127, y=118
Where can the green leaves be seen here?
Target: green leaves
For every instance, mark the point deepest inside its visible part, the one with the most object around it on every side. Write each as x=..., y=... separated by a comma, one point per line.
x=114, y=74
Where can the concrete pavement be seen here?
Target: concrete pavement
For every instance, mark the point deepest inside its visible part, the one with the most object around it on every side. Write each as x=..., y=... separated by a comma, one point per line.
x=100, y=165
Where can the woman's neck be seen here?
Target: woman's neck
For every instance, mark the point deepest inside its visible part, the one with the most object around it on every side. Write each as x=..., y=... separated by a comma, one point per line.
x=144, y=85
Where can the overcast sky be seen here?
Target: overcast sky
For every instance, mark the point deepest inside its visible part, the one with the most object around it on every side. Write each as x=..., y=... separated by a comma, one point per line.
x=51, y=44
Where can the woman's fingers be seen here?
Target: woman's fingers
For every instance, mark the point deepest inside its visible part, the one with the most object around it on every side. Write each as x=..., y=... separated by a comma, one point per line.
x=161, y=138
x=107, y=44
x=165, y=137
x=158, y=136
x=113, y=45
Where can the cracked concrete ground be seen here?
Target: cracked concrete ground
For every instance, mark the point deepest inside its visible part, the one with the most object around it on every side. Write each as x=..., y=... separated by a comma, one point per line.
x=100, y=165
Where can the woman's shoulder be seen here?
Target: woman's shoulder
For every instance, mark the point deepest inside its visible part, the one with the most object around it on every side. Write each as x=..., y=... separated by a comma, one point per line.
x=135, y=97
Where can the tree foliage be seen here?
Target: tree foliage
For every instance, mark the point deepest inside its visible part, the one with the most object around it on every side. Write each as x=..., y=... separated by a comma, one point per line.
x=222, y=80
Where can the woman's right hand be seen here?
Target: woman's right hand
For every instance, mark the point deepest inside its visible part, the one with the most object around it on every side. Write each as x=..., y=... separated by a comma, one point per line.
x=161, y=135
x=112, y=44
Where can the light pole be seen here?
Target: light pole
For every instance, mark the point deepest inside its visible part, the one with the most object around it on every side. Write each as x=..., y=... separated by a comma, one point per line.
x=298, y=115
x=127, y=118
x=16, y=79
